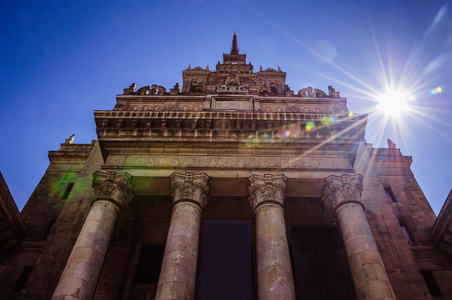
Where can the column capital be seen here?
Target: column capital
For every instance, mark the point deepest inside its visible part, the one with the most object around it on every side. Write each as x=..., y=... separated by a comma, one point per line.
x=268, y=188
x=113, y=187
x=190, y=187
x=342, y=189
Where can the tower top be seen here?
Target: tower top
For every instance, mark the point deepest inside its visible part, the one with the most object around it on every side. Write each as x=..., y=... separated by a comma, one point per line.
x=234, y=48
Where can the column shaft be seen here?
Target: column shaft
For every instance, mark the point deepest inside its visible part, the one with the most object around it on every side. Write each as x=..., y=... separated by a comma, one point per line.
x=274, y=271
x=342, y=194
x=367, y=268
x=178, y=273
x=79, y=278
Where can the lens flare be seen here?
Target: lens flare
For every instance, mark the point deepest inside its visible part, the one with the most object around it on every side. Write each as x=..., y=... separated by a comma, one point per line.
x=326, y=120
x=436, y=91
x=310, y=126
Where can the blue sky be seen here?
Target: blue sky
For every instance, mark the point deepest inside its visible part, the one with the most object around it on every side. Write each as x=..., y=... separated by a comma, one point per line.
x=61, y=60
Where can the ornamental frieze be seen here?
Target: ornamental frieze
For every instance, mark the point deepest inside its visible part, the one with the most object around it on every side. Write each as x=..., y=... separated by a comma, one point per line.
x=232, y=162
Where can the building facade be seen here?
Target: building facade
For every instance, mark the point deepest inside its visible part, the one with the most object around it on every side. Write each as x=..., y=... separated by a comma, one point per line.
x=231, y=187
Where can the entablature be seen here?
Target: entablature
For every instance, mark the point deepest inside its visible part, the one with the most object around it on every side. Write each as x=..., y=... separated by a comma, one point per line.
x=231, y=102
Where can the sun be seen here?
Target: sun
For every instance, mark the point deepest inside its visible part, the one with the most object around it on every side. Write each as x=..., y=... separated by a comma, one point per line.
x=394, y=102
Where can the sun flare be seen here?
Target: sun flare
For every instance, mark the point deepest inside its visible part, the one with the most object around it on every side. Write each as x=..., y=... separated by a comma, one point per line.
x=393, y=102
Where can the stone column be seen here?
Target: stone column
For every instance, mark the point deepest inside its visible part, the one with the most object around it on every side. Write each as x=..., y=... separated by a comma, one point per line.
x=79, y=279
x=178, y=273
x=343, y=195
x=274, y=271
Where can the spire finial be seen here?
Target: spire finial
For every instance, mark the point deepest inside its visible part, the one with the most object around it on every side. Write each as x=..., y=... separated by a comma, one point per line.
x=234, y=48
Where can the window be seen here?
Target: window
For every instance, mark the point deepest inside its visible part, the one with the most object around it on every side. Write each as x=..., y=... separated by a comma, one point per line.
x=431, y=283
x=405, y=232
x=68, y=190
x=404, y=229
x=390, y=194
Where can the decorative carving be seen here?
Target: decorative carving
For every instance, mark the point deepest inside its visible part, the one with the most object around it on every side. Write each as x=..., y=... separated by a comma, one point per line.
x=270, y=70
x=70, y=140
x=145, y=90
x=311, y=92
x=342, y=189
x=113, y=187
x=130, y=90
x=161, y=89
x=391, y=144
x=267, y=188
x=190, y=187
x=332, y=92
x=319, y=93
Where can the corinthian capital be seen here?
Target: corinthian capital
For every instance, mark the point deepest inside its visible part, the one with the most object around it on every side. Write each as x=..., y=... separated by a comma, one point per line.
x=268, y=188
x=340, y=189
x=113, y=187
x=190, y=187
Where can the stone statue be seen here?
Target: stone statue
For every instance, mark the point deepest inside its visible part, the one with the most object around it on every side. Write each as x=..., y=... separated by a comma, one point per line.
x=130, y=90
x=332, y=92
x=144, y=90
x=319, y=93
x=157, y=89
x=176, y=89
x=69, y=140
x=391, y=144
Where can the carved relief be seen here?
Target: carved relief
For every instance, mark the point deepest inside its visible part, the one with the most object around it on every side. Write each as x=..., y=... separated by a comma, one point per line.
x=190, y=106
x=340, y=189
x=190, y=187
x=273, y=108
x=113, y=187
x=267, y=188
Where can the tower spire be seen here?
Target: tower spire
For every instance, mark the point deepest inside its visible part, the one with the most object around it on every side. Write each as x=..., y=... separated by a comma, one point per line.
x=234, y=48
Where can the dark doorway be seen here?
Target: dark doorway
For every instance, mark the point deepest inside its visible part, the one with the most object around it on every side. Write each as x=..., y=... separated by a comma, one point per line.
x=225, y=269
x=319, y=266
